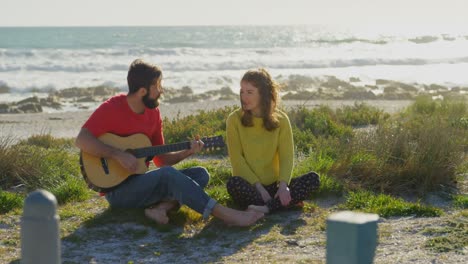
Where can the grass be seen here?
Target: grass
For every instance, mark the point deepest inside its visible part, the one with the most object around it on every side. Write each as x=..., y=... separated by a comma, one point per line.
x=41, y=162
x=399, y=155
x=361, y=114
x=415, y=151
x=386, y=205
x=451, y=237
x=9, y=201
x=460, y=201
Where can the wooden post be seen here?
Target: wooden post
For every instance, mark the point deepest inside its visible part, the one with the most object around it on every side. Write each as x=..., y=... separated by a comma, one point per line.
x=40, y=240
x=351, y=237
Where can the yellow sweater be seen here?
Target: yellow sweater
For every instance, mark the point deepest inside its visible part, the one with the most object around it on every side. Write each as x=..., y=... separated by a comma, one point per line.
x=258, y=155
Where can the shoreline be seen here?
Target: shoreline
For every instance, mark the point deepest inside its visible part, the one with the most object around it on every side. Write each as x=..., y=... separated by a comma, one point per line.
x=68, y=124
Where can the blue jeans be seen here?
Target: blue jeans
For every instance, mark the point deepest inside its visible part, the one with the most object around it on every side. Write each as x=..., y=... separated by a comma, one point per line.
x=162, y=184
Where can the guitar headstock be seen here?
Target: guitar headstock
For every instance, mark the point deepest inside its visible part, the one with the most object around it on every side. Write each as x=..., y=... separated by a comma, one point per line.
x=213, y=142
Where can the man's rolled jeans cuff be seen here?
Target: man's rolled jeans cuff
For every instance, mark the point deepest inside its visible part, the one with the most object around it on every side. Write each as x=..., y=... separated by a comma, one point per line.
x=208, y=208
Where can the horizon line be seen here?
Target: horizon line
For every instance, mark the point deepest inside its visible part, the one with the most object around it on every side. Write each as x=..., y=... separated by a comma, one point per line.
x=175, y=25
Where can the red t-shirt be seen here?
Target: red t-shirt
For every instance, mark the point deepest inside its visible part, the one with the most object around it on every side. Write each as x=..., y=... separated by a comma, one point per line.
x=115, y=116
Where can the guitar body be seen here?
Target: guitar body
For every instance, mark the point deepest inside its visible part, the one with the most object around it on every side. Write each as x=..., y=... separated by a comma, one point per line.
x=94, y=169
x=101, y=173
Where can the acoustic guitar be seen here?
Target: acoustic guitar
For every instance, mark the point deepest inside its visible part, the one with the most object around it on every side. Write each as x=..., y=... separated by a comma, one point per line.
x=101, y=173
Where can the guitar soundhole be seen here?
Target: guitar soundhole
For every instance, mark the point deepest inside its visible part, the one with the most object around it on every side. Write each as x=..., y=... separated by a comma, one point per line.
x=104, y=165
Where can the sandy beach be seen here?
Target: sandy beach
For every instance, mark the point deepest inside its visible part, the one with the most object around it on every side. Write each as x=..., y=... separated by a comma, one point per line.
x=67, y=124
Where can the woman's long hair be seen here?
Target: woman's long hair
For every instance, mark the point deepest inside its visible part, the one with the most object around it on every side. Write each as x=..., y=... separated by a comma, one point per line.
x=269, y=98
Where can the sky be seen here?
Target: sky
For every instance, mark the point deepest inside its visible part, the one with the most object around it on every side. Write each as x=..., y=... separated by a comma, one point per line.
x=231, y=12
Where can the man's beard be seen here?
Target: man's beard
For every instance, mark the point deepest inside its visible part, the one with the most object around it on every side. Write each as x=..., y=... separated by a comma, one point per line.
x=150, y=103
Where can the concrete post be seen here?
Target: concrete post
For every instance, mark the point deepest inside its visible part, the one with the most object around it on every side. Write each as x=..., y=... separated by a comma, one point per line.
x=351, y=238
x=40, y=239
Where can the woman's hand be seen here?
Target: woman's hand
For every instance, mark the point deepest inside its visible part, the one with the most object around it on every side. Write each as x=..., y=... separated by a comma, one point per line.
x=263, y=192
x=283, y=194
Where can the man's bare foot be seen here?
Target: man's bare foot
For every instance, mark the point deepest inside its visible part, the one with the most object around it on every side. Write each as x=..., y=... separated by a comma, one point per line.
x=158, y=215
x=234, y=217
x=258, y=208
x=158, y=212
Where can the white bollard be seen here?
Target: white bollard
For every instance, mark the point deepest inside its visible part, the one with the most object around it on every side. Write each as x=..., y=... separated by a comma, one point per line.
x=40, y=239
x=351, y=238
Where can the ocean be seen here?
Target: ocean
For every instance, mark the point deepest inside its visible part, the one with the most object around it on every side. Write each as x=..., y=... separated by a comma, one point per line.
x=36, y=60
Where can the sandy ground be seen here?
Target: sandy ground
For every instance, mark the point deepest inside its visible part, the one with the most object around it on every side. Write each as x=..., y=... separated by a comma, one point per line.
x=67, y=124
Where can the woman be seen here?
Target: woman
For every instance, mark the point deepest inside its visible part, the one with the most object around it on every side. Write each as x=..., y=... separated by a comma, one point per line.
x=261, y=149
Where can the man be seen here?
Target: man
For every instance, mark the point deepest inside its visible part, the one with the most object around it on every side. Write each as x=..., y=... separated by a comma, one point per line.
x=163, y=189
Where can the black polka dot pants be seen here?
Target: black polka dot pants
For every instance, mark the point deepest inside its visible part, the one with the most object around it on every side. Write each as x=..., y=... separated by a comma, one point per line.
x=245, y=194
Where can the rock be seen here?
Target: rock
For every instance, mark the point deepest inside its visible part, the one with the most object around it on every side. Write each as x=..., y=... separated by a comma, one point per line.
x=51, y=101
x=298, y=83
x=181, y=99
x=33, y=99
x=103, y=91
x=4, y=88
x=303, y=95
x=186, y=90
x=359, y=95
x=226, y=91
x=30, y=107
x=424, y=39
x=390, y=89
x=337, y=84
x=373, y=87
x=4, y=108
x=436, y=87
x=396, y=96
x=86, y=99
x=382, y=81
x=75, y=92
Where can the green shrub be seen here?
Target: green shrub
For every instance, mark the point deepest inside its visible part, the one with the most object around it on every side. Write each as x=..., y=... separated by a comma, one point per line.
x=328, y=185
x=72, y=189
x=41, y=162
x=460, y=201
x=204, y=123
x=35, y=166
x=315, y=161
x=48, y=141
x=416, y=151
x=320, y=163
x=219, y=169
x=320, y=121
x=10, y=201
x=311, y=127
x=360, y=114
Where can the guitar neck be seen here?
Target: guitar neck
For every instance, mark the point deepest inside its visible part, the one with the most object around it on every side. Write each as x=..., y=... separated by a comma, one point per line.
x=158, y=150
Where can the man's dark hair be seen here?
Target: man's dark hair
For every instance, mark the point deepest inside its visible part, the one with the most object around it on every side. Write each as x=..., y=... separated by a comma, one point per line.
x=142, y=74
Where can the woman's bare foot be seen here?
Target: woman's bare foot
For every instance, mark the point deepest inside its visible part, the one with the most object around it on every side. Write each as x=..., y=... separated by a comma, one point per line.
x=258, y=208
x=244, y=218
x=235, y=217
